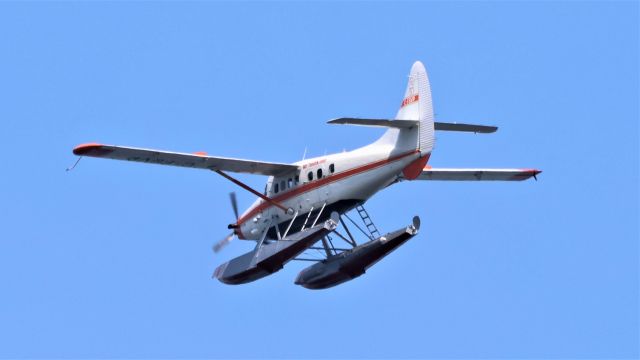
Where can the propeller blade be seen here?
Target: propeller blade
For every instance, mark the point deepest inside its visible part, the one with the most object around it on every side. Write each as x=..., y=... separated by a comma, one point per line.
x=234, y=204
x=222, y=243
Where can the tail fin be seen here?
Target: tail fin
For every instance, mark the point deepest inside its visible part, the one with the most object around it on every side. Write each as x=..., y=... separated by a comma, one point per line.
x=416, y=105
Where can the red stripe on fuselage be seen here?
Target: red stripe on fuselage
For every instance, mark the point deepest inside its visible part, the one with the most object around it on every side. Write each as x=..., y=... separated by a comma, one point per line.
x=324, y=181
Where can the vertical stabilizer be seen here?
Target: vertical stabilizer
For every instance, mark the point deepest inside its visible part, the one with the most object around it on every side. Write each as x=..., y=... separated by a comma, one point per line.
x=416, y=105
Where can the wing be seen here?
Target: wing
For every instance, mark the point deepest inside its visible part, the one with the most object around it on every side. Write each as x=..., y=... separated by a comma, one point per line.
x=477, y=174
x=198, y=160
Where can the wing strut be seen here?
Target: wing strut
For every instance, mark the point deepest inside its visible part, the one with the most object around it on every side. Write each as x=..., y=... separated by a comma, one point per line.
x=254, y=192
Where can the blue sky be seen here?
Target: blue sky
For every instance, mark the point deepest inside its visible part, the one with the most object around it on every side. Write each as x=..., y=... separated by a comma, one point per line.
x=113, y=259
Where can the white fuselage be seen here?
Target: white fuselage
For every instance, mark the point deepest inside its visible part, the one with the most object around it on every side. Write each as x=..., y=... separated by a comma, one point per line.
x=336, y=182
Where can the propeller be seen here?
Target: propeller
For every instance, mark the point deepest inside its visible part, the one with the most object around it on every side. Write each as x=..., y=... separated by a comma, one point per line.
x=222, y=243
x=234, y=204
x=227, y=239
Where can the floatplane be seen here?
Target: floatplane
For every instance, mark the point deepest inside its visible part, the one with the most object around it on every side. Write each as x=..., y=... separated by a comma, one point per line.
x=304, y=205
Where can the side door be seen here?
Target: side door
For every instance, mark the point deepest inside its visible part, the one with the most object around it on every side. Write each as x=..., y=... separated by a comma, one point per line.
x=309, y=198
x=323, y=191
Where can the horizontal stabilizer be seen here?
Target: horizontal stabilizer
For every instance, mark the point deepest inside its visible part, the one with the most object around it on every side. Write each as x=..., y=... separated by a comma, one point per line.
x=398, y=124
x=407, y=124
x=477, y=174
x=198, y=160
x=483, y=129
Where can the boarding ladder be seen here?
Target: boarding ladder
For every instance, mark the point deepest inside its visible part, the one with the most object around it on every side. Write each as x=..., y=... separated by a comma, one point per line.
x=366, y=219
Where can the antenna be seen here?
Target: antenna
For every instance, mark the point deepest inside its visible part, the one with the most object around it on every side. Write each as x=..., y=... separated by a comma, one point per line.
x=304, y=154
x=74, y=165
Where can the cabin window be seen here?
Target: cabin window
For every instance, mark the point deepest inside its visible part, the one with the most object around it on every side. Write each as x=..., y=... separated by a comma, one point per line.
x=297, y=179
x=332, y=168
x=319, y=173
x=310, y=176
x=290, y=183
x=283, y=185
x=265, y=190
x=276, y=188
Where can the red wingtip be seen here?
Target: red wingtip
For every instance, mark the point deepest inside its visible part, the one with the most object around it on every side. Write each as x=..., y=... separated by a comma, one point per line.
x=533, y=171
x=527, y=174
x=85, y=148
x=200, y=153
